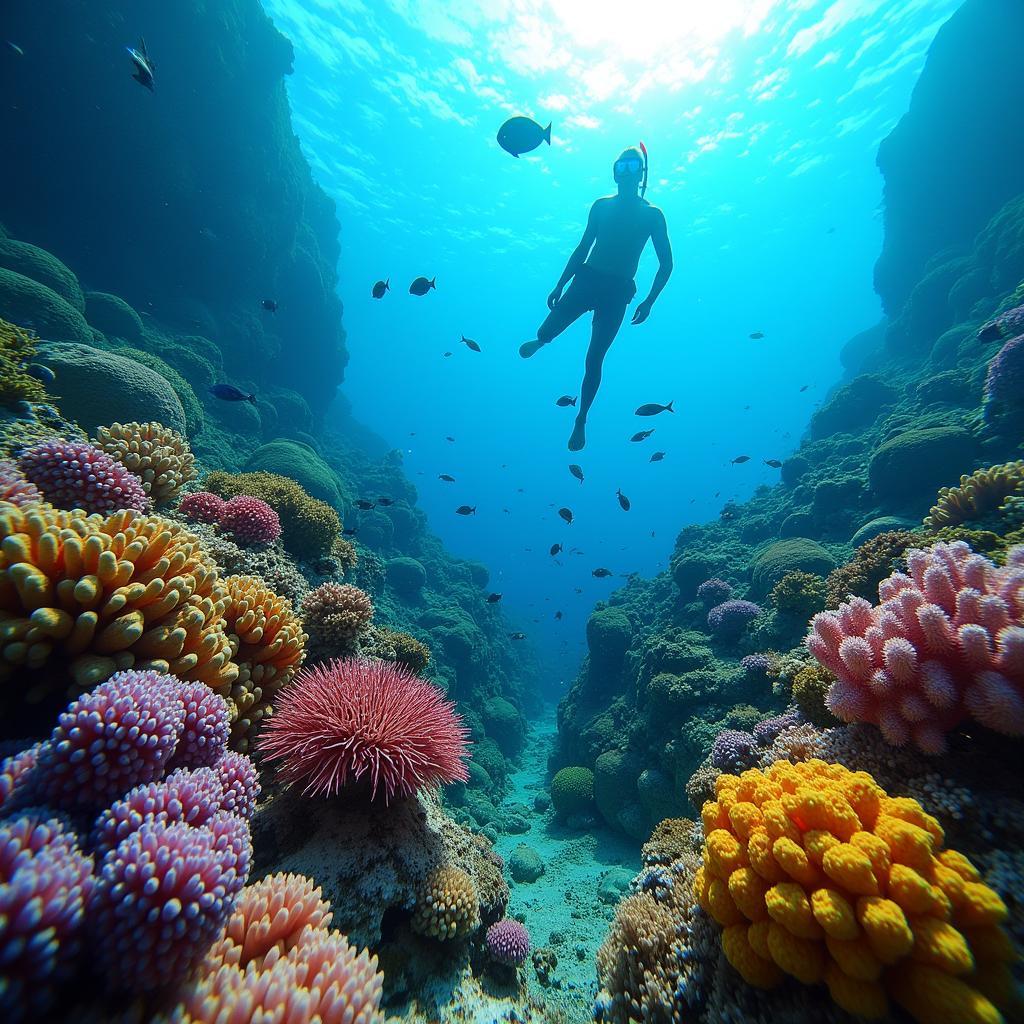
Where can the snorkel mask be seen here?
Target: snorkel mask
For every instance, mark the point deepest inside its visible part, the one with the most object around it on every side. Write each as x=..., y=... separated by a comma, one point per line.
x=633, y=165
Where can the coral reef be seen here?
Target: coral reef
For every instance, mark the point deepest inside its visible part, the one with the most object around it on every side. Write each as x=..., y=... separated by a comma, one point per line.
x=572, y=791
x=159, y=456
x=249, y=521
x=978, y=494
x=872, y=562
x=17, y=348
x=201, y=507
x=729, y=619
x=946, y=642
x=335, y=614
x=714, y=591
x=447, y=906
x=14, y=488
x=508, y=942
x=374, y=722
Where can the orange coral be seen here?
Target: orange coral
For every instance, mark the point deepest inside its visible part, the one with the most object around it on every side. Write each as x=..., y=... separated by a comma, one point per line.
x=268, y=646
x=813, y=871
x=983, y=491
x=447, y=905
x=102, y=594
x=159, y=456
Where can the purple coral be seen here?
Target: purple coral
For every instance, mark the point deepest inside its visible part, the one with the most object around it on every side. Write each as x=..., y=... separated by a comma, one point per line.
x=767, y=731
x=1006, y=325
x=729, y=619
x=75, y=474
x=15, y=488
x=118, y=736
x=204, y=736
x=45, y=883
x=193, y=797
x=508, y=942
x=241, y=783
x=756, y=666
x=733, y=750
x=1004, y=383
x=160, y=900
x=714, y=591
x=15, y=779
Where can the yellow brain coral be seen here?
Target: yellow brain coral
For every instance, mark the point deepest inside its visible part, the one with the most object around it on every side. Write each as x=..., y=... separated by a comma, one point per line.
x=93, y=595
x=309, y=527
x=983, y=491
x=813, y=871
x=158, y=455
x=268, y=646
x=447, y=905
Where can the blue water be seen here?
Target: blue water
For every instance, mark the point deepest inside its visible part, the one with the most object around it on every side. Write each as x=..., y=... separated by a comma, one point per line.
x=762, y=118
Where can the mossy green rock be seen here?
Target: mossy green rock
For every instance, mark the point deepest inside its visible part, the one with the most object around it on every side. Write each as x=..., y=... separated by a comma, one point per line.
x=883, y=524
x=97, y=388
x=504, y=724
x=195, y=419
x=298, y=461
x=689, y=571
x=525, y=864
x=406, y=576
x=609, y=633
x=572, y=791
x=44, y=267
x=615, y=793
x=853, y=406
x=791, y=555
x=27, y=302
x=113, y=316
x=912, y=466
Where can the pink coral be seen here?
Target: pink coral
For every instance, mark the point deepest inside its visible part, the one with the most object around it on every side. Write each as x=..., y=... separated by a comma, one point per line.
x=508, y=942
x=250, y=520
x=373, y=720
x=241, y=783
x=15, y=488
x=202, y=507
x=76, y=474
x=945, y=644
x=204, y=735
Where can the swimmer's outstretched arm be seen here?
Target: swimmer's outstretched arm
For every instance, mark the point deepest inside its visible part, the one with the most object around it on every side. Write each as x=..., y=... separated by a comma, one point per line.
x=659, y=236
x=577, y=258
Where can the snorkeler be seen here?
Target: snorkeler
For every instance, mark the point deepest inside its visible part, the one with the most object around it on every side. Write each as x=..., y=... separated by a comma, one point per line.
x=601, y=269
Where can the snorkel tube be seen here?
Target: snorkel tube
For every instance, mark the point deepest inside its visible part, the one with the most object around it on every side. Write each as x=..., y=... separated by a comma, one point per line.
x=643, y=184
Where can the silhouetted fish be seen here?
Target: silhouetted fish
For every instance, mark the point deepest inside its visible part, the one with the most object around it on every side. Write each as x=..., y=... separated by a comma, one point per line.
x=447, y=478
x=450, y=438
x=447, y=354
x=385, y=501
x=565, y=400
x=493, y=598
x=517, y=636
x=380, y=288
x=577, y=590
x=558, y=615
x=365, y=505
x=421, y=286
x=740, y=459
x=522, y=135
x=641, y=435
x=465, y=510
x=143, y=65
x=577, y=471
x=270, y=305
x=470, y=344
x=652, y=409
x=657, y=457
x=774, y=463
x=805, y=387
x=601, y=573
x=229, y=393
x=555, y=549
x=566, y=514
x=757, y=335
x=14, y=48
x=623, y=501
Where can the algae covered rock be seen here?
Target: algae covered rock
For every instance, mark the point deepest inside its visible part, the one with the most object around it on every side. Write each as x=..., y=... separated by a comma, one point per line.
x=30, y=303
x=794, y=554
x=504, y=724
x=572, y=791
x=615, y=793
x=690, y=570
x=882, y=524
x=298, y=461
x=42, y=266
x=915, y=464
x=406, y=576
x=525, y=864
x=113, y=316
x=852, y=407
x=609, y=633
x=97, y=388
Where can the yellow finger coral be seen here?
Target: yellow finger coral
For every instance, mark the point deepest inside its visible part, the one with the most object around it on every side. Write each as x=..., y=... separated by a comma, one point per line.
x=158, y=455
x=983, y=491
x=268, y=646
x=447, y=906
x=94, y=594
x=16, y=350
x=813, y=871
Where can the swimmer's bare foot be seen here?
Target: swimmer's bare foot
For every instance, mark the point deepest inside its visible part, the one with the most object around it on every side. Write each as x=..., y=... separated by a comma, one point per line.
x=528, y=348
x=579, y=436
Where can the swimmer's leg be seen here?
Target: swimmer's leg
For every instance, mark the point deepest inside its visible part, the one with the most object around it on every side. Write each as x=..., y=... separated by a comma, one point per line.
x=567, y=311
x=606, y=326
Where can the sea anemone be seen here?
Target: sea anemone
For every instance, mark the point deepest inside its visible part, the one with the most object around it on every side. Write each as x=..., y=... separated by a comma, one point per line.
x=354, y=720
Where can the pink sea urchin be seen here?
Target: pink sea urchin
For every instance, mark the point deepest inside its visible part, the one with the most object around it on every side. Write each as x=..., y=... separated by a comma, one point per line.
x=249, y=520
x=350, y=720
x=508, y=942
x=76, y=474
x=201, y=507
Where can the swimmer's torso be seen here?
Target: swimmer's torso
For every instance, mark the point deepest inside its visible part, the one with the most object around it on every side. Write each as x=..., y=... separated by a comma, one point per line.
x=623, y=227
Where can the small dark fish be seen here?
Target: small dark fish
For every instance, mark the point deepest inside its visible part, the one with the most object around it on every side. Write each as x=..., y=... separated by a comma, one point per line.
x=421, y=286
x=447, y=354
x=450, y=438
x=641, y=435
x=601, y=573
x=717, y=493
x=555, y=549
x=565, y=400
x=558, y=615
x=519, y=490
x=566, y=514
x=757, y=336
x=657, y=457
x=229, y=393
x=270, y=305
x=380, y=288
x=740, y=459
x=14, y=48
x=805, y=387
x=652, y=409
x=517, y=636
x=623, y=501
x=522, y=135
x=365, y=505
x=447, y=478
x=465, y=510
x=470, y=344
x=577, y=590
x=385, y=501
x=350, y=531
x=577, y=471
x=41, y=373
x=143, y=65
x=774, y=463
x=493, y=598
x=507, y=510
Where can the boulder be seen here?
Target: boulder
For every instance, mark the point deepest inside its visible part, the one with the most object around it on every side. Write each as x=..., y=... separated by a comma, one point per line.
x=113, y=316
x=912, y=466
x=298, y=461
x=795, y=554
x=44, y=267
x=30, y=304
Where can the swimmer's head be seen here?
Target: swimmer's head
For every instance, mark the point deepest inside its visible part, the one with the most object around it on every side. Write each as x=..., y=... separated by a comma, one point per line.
x=629, y=165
